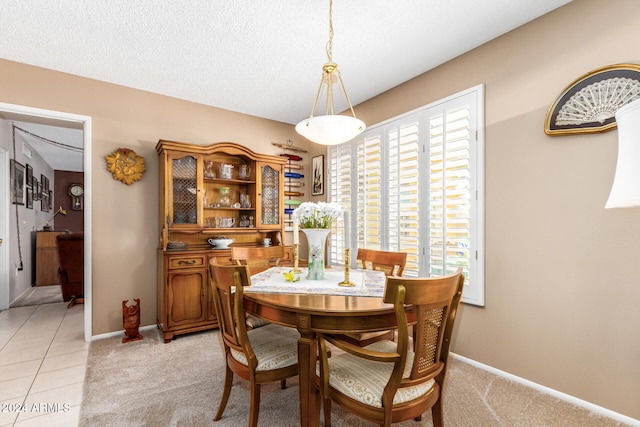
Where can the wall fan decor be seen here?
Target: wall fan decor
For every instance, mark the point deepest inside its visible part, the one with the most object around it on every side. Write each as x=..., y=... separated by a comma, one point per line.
x=589, y=104
x=125, y=165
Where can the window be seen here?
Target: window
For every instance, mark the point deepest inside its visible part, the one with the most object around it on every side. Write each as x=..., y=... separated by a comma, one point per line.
x=415, y=183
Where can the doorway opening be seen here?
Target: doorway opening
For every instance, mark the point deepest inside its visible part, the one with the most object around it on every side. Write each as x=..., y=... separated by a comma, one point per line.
x=18, y=113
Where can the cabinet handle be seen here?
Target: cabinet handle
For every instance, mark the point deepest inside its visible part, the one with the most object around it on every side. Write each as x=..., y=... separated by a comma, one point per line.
x=188, y=262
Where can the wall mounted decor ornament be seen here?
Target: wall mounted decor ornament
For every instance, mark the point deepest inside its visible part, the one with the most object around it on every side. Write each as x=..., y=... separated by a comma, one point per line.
x=589, y=104
x=125, y=165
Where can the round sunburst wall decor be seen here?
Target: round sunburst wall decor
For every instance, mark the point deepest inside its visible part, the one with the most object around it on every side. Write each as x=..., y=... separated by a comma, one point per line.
x=125, y=165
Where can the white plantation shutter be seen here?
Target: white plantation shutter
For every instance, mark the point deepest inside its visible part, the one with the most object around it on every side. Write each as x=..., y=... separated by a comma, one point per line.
x=415, y=184
x=369, y=201
x=403, y=143
x=340, y=189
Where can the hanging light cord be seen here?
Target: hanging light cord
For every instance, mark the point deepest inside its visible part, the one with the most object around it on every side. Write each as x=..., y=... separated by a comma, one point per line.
x=48, y=141
x=21, y=267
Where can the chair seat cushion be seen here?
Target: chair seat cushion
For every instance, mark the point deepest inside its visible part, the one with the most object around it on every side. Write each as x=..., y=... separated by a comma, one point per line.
x=363, y=336
x=275, y=347
x=255, y=322
x=364, y=380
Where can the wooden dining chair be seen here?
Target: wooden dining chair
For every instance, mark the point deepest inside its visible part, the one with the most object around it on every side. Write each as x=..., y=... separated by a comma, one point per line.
x=388, y=382
x=261, y=355
x=392, y=264
x=257, y=258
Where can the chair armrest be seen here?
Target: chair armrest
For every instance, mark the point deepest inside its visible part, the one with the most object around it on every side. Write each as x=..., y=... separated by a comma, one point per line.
x=378, y=356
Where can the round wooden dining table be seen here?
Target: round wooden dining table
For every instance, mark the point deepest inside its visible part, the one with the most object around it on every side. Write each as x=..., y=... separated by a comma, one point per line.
x=313, y=313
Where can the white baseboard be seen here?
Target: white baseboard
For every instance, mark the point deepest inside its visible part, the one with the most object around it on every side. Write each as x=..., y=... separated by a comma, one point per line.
x=555, y=393
x=121, y=332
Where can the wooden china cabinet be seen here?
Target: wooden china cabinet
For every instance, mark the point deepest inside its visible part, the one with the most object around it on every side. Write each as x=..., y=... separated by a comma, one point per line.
x=211, y=191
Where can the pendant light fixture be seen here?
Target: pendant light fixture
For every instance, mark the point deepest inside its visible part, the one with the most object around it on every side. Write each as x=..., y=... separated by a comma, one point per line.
x=330, y=128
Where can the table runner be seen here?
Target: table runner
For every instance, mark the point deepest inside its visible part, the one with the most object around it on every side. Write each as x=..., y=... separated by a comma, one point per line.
x=368, y=283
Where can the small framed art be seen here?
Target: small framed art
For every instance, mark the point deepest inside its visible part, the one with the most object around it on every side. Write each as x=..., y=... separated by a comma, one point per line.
x=45, y=184
x=29, y=182
x=44, y=202
x=29, y=198
x=36, y=189
x=17, y=182
x=317, y=173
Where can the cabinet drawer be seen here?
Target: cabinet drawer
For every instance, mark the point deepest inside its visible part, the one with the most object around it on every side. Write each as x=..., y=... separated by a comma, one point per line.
x=185, y=261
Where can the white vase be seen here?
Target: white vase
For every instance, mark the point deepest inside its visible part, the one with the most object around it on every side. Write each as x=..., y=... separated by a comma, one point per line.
x=316, y=239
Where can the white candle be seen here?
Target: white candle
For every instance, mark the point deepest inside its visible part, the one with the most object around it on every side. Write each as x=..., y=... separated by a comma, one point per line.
x=295, y=233
x=347, y=236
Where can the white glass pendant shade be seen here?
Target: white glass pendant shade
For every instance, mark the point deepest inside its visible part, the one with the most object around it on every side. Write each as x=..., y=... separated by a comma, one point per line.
x=625, y=191
x=330, y=129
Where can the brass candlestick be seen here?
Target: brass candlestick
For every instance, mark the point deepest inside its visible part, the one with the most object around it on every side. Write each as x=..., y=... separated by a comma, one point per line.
x=347, y=268
x=296, y=258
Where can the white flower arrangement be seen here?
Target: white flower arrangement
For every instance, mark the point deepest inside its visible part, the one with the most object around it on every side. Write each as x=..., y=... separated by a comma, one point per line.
x=316, y=215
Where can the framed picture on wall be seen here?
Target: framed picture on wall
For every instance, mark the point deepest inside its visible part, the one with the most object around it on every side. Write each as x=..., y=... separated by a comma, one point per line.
x=45, y=184
x=44, y=202
x=317, y=173
x=17, y=182
x=29, y=182
x=36, y=189
x=29, y=198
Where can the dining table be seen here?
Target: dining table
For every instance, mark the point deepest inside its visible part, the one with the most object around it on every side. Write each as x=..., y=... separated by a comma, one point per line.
x=320, y=306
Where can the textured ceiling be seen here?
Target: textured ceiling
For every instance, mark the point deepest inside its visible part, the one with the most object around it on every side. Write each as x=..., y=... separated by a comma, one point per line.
x=262, y=58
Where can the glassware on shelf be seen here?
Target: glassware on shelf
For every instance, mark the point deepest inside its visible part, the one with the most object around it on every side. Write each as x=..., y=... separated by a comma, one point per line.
x=225, y=222
x=244, y=171
x=225, y=198
x=226, y=171
x=293, y=175
x=245, y=202
x=209, y=170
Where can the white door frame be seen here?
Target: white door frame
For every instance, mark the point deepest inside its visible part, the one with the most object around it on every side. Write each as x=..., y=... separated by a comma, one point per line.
x=86, y=124
x=4, y=230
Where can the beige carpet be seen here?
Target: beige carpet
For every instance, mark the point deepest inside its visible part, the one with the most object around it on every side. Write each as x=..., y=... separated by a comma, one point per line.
x=149, y=383
x=38, y=295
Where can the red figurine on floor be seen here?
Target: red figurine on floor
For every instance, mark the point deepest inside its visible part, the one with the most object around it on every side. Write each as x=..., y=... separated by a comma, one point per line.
x=131, y=321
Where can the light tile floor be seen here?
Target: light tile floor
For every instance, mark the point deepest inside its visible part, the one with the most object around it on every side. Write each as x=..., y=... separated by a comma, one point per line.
x=43, y=358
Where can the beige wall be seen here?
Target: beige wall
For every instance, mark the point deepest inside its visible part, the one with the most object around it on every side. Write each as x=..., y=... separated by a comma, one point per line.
x=562, y=289
x=562, y=273
x=125, y=219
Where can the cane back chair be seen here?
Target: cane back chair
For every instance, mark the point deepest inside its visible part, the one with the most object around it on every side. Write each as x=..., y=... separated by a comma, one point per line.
x=388, y=382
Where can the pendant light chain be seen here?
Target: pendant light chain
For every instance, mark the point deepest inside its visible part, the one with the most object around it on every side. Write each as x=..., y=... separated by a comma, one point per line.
x=330, y=42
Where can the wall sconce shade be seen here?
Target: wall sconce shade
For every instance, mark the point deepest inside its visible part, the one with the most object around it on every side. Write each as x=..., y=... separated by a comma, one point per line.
x=625, y=191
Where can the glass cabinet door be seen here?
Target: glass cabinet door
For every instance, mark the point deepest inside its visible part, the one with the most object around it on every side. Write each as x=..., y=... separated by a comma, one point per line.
x=183, y=191
x=270, y=186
